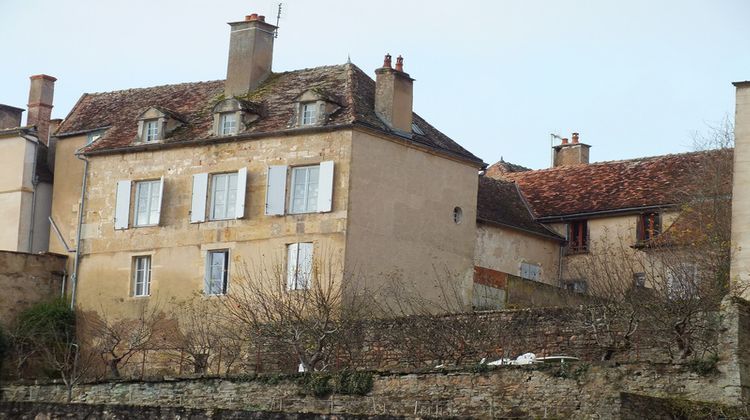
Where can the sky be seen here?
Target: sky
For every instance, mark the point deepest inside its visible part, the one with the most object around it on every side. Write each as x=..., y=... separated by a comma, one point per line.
x=634, y=78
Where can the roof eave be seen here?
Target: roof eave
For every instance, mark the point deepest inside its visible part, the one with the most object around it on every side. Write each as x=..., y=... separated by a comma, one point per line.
x=518, y=228
x=603, y=213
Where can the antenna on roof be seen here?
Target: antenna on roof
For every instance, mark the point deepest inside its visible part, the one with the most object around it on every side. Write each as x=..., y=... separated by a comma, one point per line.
x=278, y=18
x=552, y=137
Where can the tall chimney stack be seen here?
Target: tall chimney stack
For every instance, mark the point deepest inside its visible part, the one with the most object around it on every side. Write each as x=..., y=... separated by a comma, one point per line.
x=573, y=153
x=394, y=95
x=740, y=266
x=250, y=54
x=41, y=93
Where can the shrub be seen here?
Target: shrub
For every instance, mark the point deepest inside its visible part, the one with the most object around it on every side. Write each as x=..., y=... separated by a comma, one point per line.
x=704, y=366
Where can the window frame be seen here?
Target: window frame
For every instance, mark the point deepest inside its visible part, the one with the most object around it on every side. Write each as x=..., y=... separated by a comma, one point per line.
x=295, y=170
x=230, y=196
x=208, y=280
x=223, y=120
x=649, y=227
x=581, y=243
x=151, y=202
x=148, y=135
x=145, y=282
x=309, y=118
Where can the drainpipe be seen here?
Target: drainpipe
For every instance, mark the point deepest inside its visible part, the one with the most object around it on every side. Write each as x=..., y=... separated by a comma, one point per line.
x=560, y=265
x=34, y=184
x=76, y=261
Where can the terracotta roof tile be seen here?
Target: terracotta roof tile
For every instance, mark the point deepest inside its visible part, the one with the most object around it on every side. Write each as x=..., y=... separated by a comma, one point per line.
x=500, y=202
x=346, y=85
x=617, y=185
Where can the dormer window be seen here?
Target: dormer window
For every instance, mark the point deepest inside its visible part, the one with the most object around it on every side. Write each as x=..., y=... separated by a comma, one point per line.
x=155, y=124
x=151, y=130
x=227, y=123
x=234, y=116
x=309, y=113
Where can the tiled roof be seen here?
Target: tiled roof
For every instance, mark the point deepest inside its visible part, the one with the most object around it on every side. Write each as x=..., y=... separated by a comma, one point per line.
x=500, y=202
x=502, y=167
x=658, y=181
x=345, y=84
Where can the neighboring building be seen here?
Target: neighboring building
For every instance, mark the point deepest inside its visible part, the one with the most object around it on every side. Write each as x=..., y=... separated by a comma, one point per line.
x=188, y=185
x=26, y=179
x=606, y=206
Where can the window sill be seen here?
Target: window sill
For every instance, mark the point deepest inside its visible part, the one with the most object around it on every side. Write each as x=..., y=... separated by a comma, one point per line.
x=145, y=226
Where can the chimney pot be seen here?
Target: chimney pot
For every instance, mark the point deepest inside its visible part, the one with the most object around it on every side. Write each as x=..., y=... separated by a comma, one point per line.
x=253, y=16
x=387, y=61
x=400, y=63
x=575, y=137
x=261, y=18
x=565, y=140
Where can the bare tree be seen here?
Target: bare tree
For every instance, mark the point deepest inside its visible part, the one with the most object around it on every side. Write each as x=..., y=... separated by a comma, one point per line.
x=308, y=313
x=117, y=339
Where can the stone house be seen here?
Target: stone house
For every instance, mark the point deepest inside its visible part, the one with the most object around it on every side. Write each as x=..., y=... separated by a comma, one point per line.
x=187, y=185
x=595, y=209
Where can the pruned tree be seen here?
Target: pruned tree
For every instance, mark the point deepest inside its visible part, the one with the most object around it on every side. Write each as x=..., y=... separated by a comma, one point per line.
x=117, y=339
x=309, y=310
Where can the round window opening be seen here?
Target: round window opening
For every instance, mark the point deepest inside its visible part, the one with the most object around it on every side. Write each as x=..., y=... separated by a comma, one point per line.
x=458, y=215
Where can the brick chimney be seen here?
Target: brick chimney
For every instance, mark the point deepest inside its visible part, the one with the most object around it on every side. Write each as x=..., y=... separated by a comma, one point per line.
x=393, y=95
x=250, y=54
x=10, y=116
x=570, y=153
x=41, y=93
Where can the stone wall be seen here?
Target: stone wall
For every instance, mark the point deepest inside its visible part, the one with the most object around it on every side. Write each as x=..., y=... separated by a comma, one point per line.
x=577, y=391
x=26, y=279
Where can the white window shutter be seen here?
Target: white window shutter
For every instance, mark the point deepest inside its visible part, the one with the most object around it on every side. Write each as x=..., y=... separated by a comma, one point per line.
x=291, y=266
x=161, y=200
x=276, y=190
x=122, y=205
x=239, y=212
x=198, y=206
x=305, y=264
x=325, y=186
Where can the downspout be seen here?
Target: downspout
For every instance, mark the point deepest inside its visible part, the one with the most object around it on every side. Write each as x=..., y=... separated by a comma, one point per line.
x=34, y=184
x=76, y=261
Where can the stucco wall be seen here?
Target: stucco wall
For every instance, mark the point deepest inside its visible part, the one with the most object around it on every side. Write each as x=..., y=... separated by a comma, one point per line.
x=401, y=224
x=740, y=270
x=66, y=194
x=26, y=279
x=177, y=247
x=504, y=249
x=16, y=191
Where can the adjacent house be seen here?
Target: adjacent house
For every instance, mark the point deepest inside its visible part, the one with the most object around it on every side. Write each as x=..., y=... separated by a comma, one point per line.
x=187, y=186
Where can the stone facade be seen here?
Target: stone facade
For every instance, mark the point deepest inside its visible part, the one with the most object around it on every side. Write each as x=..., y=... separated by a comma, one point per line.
x=26, y=279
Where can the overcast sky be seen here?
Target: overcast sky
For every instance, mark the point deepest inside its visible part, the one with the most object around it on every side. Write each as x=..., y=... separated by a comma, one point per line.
x=635, y=78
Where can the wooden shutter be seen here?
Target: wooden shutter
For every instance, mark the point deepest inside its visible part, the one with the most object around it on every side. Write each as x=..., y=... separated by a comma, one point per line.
x=325, y=186
x=291, y=266
x=198, y=206
x=239, y=212
x=122, y=204
x=161, y=200
x=276, y=190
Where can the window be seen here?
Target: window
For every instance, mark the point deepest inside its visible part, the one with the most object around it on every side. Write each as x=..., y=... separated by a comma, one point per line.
x=142, y=275
x=531, y=271
x=578, y=237
x=649, y=226
x=576, y=286
x=683, y=281
x=223, y=196
x=147, y=211
x=304, y=191
x=458, y=215
x=309, y=113
x=151, y=130
x=299, y=265
x=311, y=189
x=217, y=272
x=228, y=123
x=147, y=203
x=94, y=136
